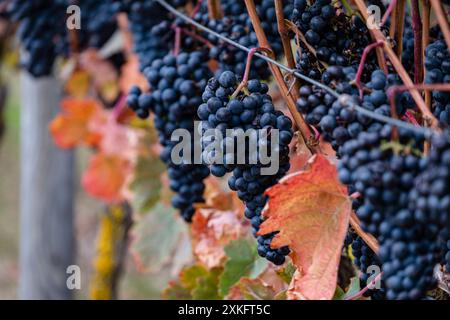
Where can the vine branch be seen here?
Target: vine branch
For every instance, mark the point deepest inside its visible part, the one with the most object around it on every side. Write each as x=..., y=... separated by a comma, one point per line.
x=417, y=30
x=263, y=42
x=214, y=10
x=286, y=42
x=429, y=118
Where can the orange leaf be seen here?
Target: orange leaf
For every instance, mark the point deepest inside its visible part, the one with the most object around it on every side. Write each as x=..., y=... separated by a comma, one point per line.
x=105, y=177
x=311, y=209
x=71, y=126
x=132, y=76
x=78, y=84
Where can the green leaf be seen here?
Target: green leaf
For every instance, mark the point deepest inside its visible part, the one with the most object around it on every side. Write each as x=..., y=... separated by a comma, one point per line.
x=287, y=272
x=339, y=294
x=207, y=286
x=353, y=288
x=243, y=261
x=157, y=238
x=176, y=291
x=195, y=282
x=190, y=275
x=147, y=184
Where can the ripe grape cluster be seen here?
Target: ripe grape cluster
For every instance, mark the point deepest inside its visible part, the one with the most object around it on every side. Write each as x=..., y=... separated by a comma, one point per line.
x=177, y=83
x=253, y=110
x=42, y=32
x=143, y=16
x=337, y=39
x=98, y=23
x=437, y=63
x=236, y=25
x=370, y=265
x=430, y=201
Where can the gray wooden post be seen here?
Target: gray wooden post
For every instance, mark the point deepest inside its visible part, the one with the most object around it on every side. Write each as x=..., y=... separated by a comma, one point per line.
x=46, y=196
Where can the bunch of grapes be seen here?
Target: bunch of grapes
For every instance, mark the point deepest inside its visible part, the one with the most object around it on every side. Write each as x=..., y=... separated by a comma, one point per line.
x=437, y=63
x=223, y=109
x=42, y=32
x=369, y=265
x=98, y=23
x=236, y=25
x=336, y=38
x=142, y=17
x=177, y=83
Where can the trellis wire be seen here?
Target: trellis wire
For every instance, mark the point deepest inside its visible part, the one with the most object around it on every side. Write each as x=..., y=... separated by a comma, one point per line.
x=345, y=100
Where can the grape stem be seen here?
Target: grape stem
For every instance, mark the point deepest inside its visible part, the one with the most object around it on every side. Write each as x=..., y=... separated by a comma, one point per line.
x=177, y=46
x=400, y=12
x=430, y=119
x=369, y=286
x=392, y=91
x=214, y=10
x=301, y=38
x=417, y=30
x=411, y=118
x=355, y=195
x=360, y=71
x=196, y=8
x=442, y=20
x=388, y=12
x=119, y=106
x=425, y=41
x=368, y=238
x=286, y=42
x=248, y=65
x=197, y=37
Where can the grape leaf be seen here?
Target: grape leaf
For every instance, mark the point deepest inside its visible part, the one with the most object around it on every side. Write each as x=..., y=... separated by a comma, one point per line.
x=311, y=211
x=132, y=76
x=157, y=236
x=71, y=126
x=105, y=177
x=243, y=261
x=252, y=289
x=195, y=282
x=212, y=230
x=78, y=84
x=353, y=288
x=286, y=273
x=207, y=286
x=176, y=291
x=146, y=185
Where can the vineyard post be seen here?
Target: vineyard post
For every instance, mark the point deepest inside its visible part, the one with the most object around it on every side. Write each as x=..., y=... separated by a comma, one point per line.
x=46, y=196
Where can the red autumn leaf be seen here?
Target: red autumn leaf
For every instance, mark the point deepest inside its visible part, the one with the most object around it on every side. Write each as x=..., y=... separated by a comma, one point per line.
x=311, y=211
x=105, y=177
x=71, y=126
